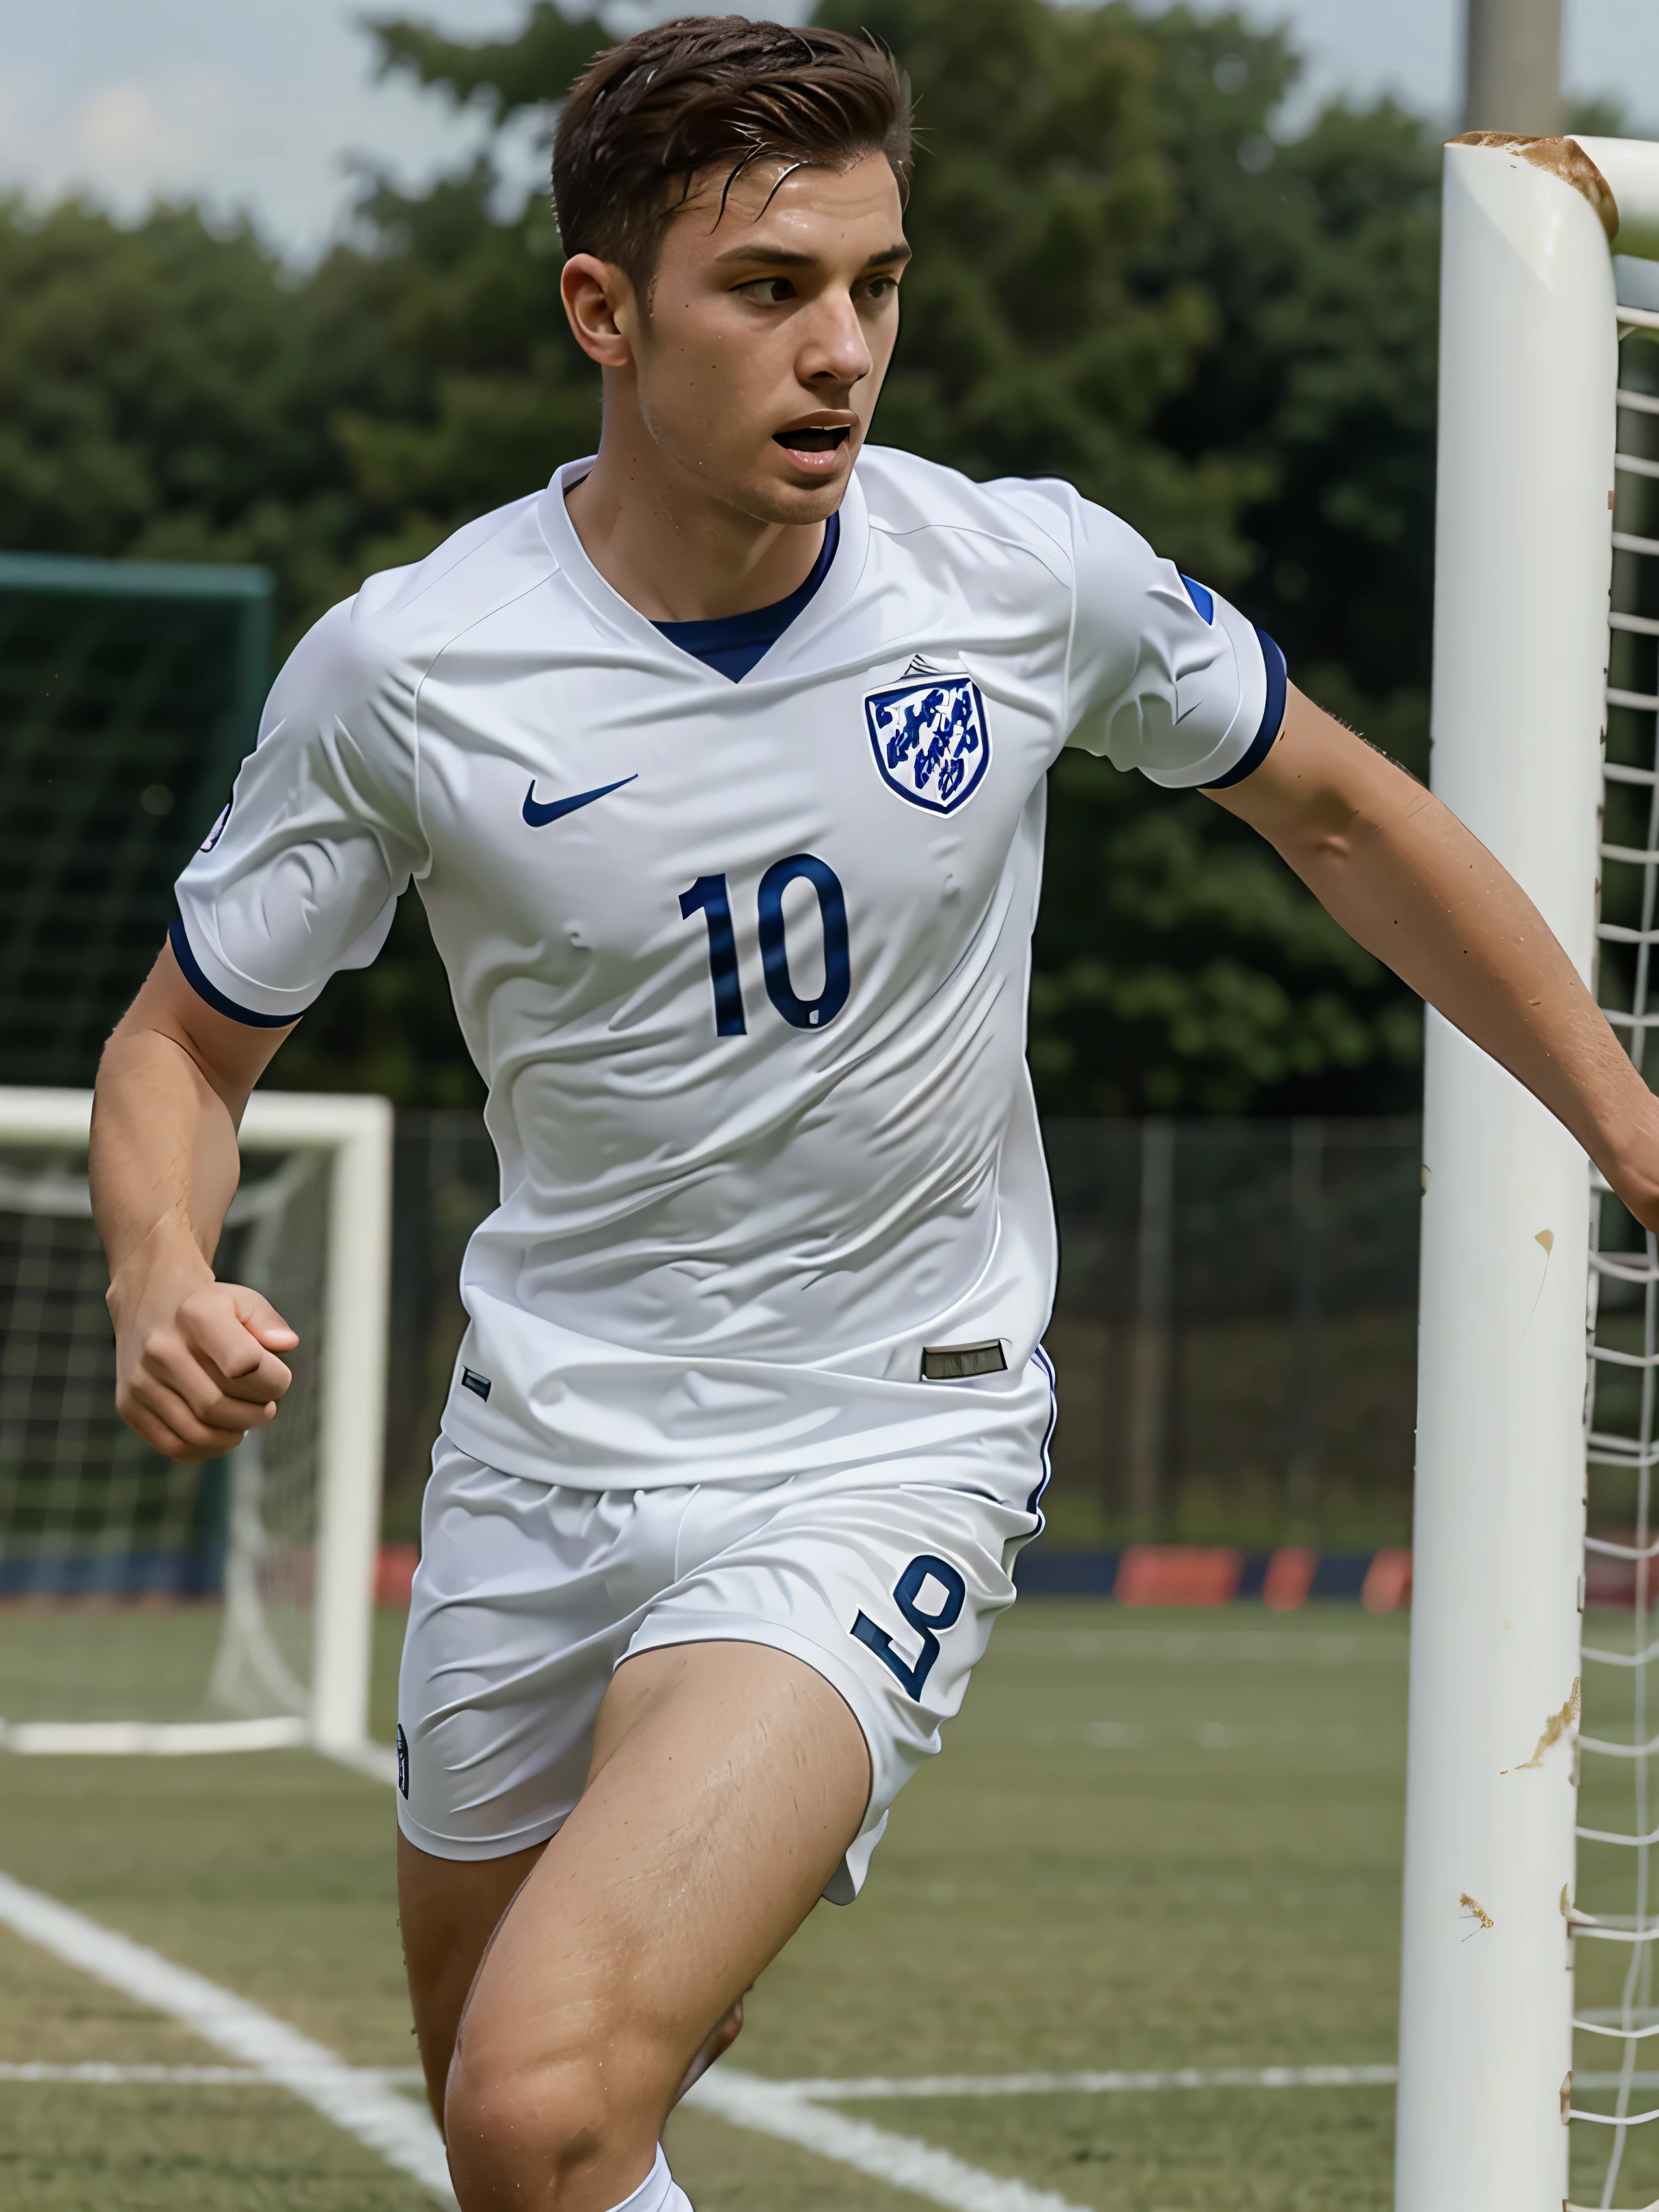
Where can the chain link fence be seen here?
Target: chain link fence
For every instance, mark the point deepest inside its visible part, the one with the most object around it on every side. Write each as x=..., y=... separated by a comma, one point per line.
x=1235, y=1332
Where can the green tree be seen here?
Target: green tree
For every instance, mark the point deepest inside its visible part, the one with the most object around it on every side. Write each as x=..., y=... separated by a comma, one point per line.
x=482, y=391
x=1032, y=344
x=1121, y=278
x=1178, y=965
x=497, y=391
x=165, y=392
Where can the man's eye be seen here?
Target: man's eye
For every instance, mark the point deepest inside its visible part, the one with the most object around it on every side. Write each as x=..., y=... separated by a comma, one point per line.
x=767, y=291
x=881, y=288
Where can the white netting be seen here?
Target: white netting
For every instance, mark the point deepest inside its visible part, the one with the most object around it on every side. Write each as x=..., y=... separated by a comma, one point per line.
x=1616, y=2067
x=132, y=1589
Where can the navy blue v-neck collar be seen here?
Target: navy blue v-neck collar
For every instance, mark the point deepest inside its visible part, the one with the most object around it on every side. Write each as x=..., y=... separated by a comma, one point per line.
x=731, y=644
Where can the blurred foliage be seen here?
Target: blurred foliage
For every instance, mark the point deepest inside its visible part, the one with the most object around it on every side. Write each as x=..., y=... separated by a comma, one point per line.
x=1122, y=278
x=166, y=392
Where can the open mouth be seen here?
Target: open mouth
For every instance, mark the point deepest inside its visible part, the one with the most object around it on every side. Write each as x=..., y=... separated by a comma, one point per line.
x=815, y=438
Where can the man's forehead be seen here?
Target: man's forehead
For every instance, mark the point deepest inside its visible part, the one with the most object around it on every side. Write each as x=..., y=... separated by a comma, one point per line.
x=794, y=205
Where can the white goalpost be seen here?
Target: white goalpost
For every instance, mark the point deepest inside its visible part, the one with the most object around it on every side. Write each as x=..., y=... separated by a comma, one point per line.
x=1530, y=457
x=149, y=1607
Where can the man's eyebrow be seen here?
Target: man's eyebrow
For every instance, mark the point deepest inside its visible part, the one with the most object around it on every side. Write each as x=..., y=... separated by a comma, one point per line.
x=781, y=257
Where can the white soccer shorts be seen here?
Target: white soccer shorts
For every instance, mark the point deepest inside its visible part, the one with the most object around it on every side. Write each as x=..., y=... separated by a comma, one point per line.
x=884, y=1578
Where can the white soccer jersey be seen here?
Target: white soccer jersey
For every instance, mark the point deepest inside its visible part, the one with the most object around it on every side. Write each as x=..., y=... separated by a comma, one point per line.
x=744, y=965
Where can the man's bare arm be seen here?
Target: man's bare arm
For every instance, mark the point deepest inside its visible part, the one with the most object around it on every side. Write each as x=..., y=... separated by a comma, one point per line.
x=195, y=1359
x=1405, y=879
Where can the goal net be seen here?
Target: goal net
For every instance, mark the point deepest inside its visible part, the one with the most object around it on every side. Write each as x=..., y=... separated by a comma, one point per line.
x=147, y=1606
x=1530, y=2029
x=1616, y=1913
x=130, y=691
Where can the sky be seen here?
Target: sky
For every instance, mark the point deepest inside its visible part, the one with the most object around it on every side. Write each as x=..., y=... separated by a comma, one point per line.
x=272, y=106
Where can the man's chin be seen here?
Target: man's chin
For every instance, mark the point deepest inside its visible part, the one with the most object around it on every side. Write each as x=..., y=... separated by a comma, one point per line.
x=770, y=496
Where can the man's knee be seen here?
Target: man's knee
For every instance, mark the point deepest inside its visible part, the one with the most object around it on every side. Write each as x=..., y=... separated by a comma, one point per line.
x=533, y=2131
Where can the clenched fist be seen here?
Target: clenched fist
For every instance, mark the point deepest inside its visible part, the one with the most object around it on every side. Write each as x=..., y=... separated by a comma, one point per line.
x=194, y=1373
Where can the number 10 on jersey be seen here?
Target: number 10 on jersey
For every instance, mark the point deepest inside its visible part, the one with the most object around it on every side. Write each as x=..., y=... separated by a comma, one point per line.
x=709, y=896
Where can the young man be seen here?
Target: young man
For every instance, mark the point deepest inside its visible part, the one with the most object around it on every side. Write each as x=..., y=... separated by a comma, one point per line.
x=719, y=764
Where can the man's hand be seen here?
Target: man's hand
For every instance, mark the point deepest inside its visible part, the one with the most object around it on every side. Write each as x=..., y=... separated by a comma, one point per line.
x=195, y=1360
x=194, y=1373
x=1407, y=881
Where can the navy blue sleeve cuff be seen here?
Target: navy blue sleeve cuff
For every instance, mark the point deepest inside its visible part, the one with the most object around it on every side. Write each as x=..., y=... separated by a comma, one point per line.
x=210, y=992
x=1272, y=717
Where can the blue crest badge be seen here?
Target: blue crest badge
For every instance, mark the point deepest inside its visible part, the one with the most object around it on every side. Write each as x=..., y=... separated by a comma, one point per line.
x=932, y=743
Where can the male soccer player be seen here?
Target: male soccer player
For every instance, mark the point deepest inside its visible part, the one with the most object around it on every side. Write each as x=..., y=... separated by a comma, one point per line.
x=720, y=763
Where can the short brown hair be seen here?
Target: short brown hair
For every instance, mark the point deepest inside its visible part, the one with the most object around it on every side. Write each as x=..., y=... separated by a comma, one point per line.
x=646, y=118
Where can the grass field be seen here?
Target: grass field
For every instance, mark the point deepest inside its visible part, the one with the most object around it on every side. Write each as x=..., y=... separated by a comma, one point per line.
x=1155, y=1841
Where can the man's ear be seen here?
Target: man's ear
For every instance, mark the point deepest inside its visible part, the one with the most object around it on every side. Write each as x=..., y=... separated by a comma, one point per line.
x=602, y=308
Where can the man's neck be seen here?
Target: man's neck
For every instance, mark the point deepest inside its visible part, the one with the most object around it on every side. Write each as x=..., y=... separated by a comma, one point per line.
x=674, y=553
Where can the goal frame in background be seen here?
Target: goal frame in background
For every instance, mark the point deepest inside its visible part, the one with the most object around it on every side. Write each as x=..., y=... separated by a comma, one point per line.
x=356, y=1133
x=1529, y=369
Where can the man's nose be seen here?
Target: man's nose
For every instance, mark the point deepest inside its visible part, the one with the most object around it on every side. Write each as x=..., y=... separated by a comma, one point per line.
x=836, y=347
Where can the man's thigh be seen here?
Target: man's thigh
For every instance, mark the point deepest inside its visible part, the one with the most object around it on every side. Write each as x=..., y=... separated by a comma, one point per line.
x=881, y=1587
x=449, y=1909
x=884, y=1579
x=728, y=1780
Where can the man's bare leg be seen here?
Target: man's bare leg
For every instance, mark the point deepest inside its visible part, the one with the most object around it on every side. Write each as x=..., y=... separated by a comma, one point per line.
x=727, y=1781
x=449, y=1909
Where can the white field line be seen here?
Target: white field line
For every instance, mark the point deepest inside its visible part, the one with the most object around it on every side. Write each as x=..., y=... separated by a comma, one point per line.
x=364, y=2102
x=1206, y=1735
x=102, y=2071
x=183, y=1739
x=379, y=1761
x=365, y=2106
x=1276, y=1646
x=100, y=2074
x=148, y=1738
x=769, y=2108
x=871, y=2089
x=879, y=2086
x=761, y=2106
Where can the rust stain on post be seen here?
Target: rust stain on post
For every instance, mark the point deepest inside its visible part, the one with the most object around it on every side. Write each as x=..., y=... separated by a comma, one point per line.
x=1561, y=157
x=1556, y=1726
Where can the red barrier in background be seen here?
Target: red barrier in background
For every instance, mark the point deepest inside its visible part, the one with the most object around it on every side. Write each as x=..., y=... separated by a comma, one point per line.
x=1178, y=1574
x=1288, y=1577
x=1388, y=1584
x=394, y=1571
x=1189, y=1574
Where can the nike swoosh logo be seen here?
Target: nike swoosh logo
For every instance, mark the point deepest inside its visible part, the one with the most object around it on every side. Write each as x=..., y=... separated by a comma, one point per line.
x=538, y=817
